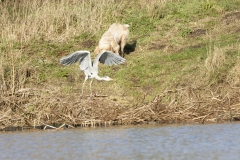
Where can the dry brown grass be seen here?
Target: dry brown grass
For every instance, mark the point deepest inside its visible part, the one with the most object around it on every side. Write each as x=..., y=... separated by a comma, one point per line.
x=234, y=75
x=30, y=107
x=53, y=20
x=215, y=59
x=185, y=105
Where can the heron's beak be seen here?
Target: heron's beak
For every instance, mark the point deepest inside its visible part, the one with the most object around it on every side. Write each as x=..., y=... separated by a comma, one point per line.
x=110, y=79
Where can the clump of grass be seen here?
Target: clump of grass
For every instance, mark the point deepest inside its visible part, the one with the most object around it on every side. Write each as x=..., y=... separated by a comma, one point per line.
x=215, y=59
x=234, y=75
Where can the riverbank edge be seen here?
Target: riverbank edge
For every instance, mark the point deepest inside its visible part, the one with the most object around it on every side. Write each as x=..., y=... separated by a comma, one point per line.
x=60, y=127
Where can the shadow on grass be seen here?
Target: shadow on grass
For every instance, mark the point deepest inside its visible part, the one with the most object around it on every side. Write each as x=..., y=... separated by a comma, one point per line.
x=130, y=47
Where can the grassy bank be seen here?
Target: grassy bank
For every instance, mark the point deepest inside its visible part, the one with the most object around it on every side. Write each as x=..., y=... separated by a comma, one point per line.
x=182, y=62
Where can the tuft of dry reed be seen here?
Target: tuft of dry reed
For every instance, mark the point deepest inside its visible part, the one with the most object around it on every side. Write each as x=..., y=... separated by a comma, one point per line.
x=215, y=59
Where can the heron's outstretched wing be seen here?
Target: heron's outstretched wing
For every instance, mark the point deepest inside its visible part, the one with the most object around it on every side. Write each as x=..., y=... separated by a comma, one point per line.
x=108, y=58
x=83, y=57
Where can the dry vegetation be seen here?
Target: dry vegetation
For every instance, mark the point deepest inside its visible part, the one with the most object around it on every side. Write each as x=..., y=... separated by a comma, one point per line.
x=35, y=90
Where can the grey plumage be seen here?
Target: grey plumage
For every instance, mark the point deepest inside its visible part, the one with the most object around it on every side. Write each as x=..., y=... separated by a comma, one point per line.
x=91, y=68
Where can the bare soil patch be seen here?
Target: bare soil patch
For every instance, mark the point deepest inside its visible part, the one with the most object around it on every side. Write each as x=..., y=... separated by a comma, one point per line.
x=197, y=33
x=88, y=43
x=231, y=17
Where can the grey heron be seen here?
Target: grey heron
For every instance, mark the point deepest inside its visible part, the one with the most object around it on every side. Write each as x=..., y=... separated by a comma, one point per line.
x=91, y=68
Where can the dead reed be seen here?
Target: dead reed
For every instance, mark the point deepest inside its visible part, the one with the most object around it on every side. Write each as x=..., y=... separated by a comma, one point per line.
x=188, y=105
x=53, y=20
x=215, y=59
x=185, y=105
x=29, y=108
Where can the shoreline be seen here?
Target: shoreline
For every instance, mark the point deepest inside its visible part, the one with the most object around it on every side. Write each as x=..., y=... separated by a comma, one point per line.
x=60, y=127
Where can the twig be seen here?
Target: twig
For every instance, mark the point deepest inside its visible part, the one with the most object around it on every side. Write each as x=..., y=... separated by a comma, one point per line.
x=199, y=117
x=186, y=109
x=151, y=110
x=70, y=125
x=238, y=104
x=171, y=102
x=46, y=125
x=4, y=115
x=61, y=126
x=216, y=99
x=202, y=117
x=100, y=95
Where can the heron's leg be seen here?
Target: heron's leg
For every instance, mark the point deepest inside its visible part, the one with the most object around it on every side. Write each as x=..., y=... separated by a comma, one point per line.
x=91, y=88
x=83, y=85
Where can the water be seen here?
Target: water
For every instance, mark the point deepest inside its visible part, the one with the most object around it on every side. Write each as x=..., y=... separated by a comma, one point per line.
x=215, y=141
